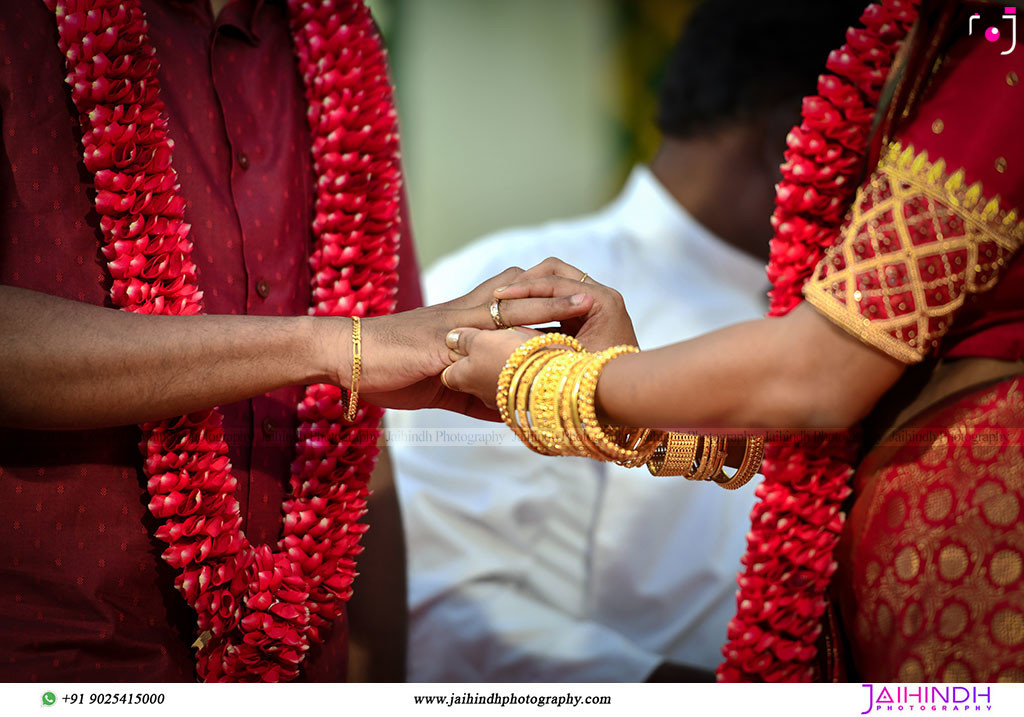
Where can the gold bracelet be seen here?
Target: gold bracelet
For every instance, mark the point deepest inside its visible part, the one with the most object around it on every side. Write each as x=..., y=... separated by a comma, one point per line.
x=587, y=446
x=546, y=396
x=357, y=369
x=543, y=402
x=718, y=460
x=517, y=390
x=518, y=356
x=644, y=441
x=753, y=455
x=520, y=396
x=576, y=440
x=674, y=456
x=587, y=408
x=711, y=459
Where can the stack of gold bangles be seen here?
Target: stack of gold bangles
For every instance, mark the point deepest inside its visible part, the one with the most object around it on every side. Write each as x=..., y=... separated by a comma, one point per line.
x=546, y=395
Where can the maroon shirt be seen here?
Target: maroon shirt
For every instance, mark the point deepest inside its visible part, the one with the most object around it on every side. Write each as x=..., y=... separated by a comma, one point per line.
x=84, y=595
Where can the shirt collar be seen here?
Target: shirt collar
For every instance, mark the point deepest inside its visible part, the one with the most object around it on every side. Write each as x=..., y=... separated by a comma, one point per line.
x=651, y=215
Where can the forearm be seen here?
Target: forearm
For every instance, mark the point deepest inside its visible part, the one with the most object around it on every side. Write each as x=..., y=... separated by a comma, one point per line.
x=67, y=364
x=799, y=371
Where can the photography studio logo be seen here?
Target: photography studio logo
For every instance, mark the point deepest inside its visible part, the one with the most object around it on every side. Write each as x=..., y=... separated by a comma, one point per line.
x=927, y=698
x=993, y=33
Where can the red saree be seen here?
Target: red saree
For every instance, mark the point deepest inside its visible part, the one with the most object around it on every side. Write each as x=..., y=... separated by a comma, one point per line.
x=930, y=585
x=932, y=558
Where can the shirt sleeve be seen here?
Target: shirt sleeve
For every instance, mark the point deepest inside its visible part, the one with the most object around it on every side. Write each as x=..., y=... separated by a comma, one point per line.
x=937, y=221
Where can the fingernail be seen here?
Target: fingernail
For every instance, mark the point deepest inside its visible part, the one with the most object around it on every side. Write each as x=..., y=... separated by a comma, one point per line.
x=501, y=288
x=577, y=299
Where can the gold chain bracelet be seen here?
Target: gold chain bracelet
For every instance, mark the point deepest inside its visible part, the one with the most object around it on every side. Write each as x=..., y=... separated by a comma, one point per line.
x=357, y=370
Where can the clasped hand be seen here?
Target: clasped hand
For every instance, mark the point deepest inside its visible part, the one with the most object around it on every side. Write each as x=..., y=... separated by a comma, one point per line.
x=404, y=354
x=600, y=321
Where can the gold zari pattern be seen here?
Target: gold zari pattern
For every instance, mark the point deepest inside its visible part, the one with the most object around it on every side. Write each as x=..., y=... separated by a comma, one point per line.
x=917, y=243
x=932, y=584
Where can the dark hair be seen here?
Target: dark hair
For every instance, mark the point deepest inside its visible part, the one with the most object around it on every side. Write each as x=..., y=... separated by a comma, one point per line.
x=736, y=58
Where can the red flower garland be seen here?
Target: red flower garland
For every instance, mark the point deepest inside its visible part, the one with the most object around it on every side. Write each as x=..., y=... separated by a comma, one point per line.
x=258, y=607
x=796, y=524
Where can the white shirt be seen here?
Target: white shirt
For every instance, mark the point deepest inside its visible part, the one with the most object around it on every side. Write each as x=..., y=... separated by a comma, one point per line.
x=530, y=568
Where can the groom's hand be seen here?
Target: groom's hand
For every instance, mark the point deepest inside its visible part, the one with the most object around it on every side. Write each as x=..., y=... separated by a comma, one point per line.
x=605, y=323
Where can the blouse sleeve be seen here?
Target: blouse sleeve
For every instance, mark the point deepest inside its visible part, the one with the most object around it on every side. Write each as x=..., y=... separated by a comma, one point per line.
x=937, y=219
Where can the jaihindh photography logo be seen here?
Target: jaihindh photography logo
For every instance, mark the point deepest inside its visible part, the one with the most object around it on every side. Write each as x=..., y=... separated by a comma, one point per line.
x=927, y=698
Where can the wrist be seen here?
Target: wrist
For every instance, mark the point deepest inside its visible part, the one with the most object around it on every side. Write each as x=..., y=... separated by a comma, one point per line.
x=610, y=388
x=330, y=340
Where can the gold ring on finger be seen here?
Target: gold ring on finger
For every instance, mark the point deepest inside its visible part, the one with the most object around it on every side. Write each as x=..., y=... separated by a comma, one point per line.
x=444, y=378
x=451, y=340
x=495, y=309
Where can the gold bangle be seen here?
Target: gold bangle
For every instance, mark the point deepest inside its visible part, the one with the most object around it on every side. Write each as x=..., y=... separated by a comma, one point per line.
x=576, y=441
x=517, y=392
x=515, y=360
x=543, y=403
x=644, y=441
x=753, y=455
x=357, y=370
x=718, y=460
x=710, y=460
x=674, y=456
x=519, y=395
x=588, y=448
x=608, y=448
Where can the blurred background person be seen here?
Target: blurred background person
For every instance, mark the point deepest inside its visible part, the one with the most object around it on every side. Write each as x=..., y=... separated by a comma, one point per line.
x=526, y=569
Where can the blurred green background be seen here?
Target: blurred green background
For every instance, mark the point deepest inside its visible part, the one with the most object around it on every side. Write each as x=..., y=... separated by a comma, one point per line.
x=517, y=111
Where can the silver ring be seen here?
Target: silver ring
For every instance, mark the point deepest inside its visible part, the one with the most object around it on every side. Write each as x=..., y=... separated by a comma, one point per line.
x=495, y=309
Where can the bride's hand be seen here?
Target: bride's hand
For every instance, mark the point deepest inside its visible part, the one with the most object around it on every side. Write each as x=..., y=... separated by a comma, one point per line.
x=479, y=357
x=605, y=323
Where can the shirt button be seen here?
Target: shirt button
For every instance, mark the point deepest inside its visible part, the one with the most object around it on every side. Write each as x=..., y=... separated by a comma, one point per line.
x=268, y=428
x=243, y=160
x=262, y=288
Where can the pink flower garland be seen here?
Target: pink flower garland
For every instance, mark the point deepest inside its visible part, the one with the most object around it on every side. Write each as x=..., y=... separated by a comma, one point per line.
x=259, y=607
x=796, y=524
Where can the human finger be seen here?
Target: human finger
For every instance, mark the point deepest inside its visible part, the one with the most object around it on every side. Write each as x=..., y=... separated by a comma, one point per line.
x=451, y=339
x=542, y=310
x=486, y=288
x=467, y=338
x=546, y=286
x=553, y=266
x=461, y=339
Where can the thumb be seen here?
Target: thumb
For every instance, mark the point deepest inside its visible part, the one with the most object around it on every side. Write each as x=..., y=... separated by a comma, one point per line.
x=454, y=376
x=459, y=340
